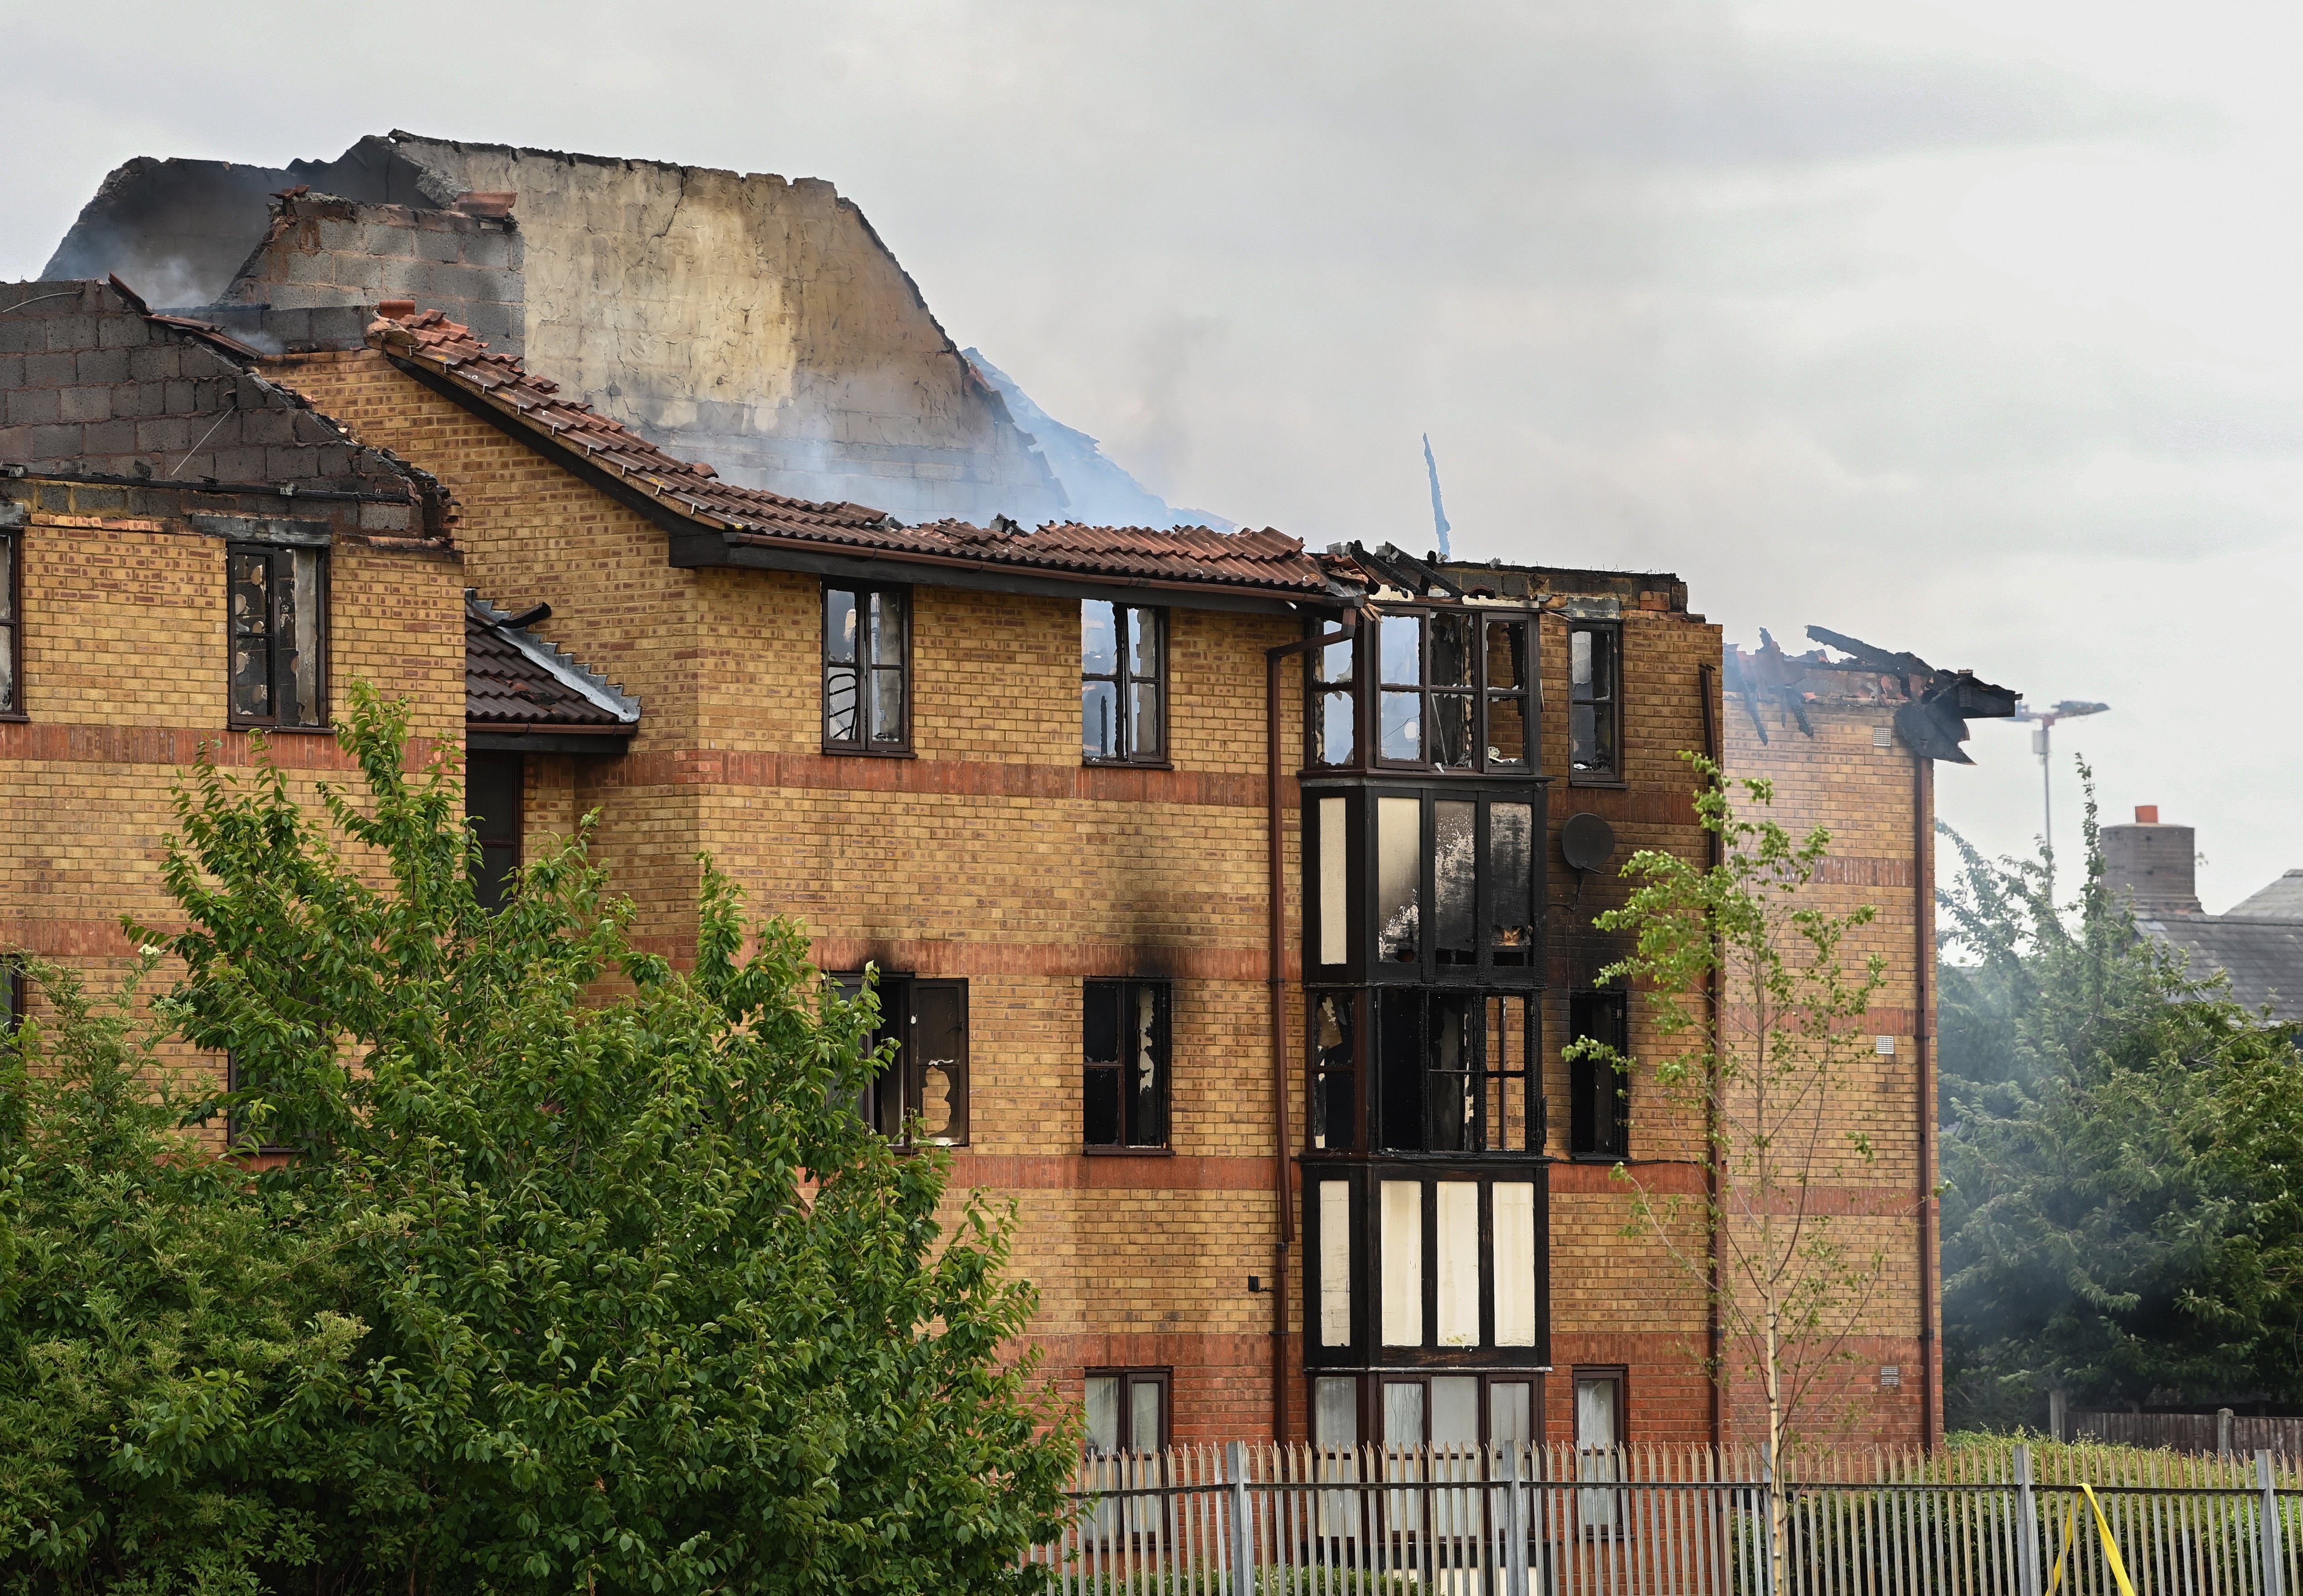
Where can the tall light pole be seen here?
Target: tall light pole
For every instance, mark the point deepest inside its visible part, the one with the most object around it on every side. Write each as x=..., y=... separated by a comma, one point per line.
x=2043, y=745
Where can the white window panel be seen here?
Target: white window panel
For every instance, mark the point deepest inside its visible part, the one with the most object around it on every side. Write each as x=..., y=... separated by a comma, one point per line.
x=1403, y=1262
x=1514, y=1264
x=1458, y=1226
x=1335, y=1264
x=1334, y=866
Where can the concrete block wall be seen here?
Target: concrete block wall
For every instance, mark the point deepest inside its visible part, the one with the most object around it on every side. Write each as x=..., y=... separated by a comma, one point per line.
x=326, y=262
x=91, y=384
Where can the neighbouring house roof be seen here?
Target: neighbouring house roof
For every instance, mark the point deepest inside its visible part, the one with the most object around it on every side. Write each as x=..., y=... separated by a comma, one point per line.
x=2263, y=956
x=1265, y=563
x=514, y=680
x=2281, y=900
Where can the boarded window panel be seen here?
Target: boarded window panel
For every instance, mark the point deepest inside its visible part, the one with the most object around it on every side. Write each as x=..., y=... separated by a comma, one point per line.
x=1454, y=1410
x=1458, y=1217
x=1399, y=879
x=1403, y=1419
x=1403, y=1262
x=1334, y=876
x=1514, y=1264
x=1511, y=1412
x=1335, y=1264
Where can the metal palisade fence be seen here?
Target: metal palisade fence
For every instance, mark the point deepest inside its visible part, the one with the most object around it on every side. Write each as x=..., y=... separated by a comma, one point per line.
x=1529, y=1520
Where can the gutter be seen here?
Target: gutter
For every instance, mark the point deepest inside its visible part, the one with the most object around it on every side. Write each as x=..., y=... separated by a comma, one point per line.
x=1923, y=900
x=1276, y=928
x=1708, y=687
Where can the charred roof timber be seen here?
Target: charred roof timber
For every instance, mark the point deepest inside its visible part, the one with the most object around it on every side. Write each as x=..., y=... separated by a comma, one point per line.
x=1932, y=705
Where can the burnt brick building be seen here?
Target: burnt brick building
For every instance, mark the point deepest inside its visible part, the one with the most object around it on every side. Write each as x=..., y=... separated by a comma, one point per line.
x=1214, y=885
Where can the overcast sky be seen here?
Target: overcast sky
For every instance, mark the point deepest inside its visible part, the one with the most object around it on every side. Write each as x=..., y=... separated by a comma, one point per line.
x=1968, y=328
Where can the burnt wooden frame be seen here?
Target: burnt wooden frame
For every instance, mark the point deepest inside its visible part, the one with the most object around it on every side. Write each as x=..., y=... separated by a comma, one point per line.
x=11, y=601
x=1121, y=677
x=1164, y=1012
x=890, y=1098
x=1161, y=1376
x=1612, y=776
x=278, y=553
x=863, y=747
x=1360, y=870
x=1366, y=693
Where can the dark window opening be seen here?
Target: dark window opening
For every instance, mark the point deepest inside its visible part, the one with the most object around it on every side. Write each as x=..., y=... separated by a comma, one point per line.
x=1599, y=1117
x=1452, y=691
x=277, y=602
x=12, y=631
x=867, y=669
x=1129, y=1409
x=1454, y=1073
x=927, y=1020
x=1594, y=700
x=1335, y=1072
x=496, y=802
x=1124, y=1051
x=1123, y=683
x=17, y=996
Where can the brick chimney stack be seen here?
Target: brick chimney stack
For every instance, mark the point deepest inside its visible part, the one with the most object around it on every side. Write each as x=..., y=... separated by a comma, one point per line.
x=2157, y=863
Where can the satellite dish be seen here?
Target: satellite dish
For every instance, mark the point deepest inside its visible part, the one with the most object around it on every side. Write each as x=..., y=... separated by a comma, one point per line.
x=1587, y=842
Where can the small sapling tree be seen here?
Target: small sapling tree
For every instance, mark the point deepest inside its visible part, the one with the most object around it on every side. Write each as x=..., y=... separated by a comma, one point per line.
x=1755, y=1014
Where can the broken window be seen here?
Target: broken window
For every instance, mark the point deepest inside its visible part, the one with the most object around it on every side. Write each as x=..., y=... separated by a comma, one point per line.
x=1454, y=1072
x=1452, y=691
x=927, y=1020
x=1123, y=676
x=1594, y=701
x=277, y=604
x=496, y=802
x=867, y=669
x=1128, y=1409
x=12, y=639
x=1599, y=1107
x=1335, y=1072
x=1452, y=882
x=1335, y=705
x=1123, y=1049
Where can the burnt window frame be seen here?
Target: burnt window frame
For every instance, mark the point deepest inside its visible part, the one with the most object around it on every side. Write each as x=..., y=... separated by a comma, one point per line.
x=1613, y=704
x=1162, y=1376
x=1591, y=1080
x=1367, y=688
x=1122, y=677
x=1413, y=1097
x=865, y=745
x=1336, y=1074
x=1490, y=963
x=1127, y=1106
x=891, y=1097
x=17, y=998
x=493, y=888
x=279, y=553
x=11, y=620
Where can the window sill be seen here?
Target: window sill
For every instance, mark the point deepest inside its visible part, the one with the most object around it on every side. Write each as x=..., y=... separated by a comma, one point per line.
x=1574, y=780
x=1089, y=764
x=17, y=716
x=869, y=753
x=1128, y=1152
x=281, y=731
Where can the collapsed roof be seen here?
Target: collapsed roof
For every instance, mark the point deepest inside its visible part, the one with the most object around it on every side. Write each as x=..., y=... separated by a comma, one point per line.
x=1931, y=707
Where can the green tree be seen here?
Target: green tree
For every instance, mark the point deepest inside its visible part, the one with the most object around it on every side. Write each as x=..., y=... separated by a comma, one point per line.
x=583, y=1274
x=2120, y=1148
x=1769, y=1084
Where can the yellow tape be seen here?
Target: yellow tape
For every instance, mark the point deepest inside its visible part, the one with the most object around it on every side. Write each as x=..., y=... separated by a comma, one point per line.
x=2110, y=1546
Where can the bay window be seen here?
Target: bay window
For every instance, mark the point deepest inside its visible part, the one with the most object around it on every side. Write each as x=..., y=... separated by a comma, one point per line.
x=1441, y=689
